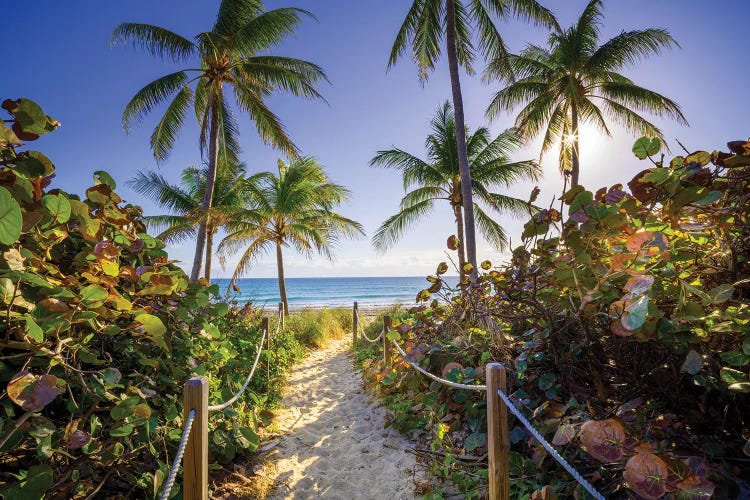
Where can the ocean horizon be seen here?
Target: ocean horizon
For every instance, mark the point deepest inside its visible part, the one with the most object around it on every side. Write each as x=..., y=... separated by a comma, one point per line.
x=331, y=291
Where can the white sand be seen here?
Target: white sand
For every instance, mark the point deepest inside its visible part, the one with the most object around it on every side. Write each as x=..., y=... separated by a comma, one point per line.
x=335, y=445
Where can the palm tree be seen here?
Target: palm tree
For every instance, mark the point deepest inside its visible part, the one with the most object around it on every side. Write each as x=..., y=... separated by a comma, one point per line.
x=425, y=26
x=184, y=201
x=232, y=54
x=294, y=209
x=576, y=80
x=439, y=178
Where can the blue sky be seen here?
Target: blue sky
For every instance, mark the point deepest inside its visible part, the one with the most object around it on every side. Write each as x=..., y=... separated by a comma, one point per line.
x=58, y=54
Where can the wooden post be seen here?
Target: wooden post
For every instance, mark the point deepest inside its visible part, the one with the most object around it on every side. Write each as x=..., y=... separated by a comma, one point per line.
x=282, y=315
x=355, y=321
x=195, y=461
x=498, y=443
x=386, y=342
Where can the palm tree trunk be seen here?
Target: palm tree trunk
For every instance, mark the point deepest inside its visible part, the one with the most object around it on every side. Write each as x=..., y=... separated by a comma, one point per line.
x=209, y=252
x=282, y=283
x=208, y=196
x=463, y=159
x=460, y=233
x=574, y=161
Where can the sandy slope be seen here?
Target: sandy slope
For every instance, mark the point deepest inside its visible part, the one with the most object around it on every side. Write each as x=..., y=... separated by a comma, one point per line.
x=334, y=444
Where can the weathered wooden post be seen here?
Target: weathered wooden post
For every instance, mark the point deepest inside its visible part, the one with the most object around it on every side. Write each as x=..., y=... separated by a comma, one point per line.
x=282, y=315
x=195, y=461
x=355, y=323
x=386, y=342
x=498, y=443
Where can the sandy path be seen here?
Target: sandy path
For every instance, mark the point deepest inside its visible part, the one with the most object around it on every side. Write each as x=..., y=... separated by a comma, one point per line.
x=334, y=444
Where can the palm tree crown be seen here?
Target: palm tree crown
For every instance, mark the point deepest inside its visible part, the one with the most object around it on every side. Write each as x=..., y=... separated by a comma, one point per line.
x=292, y=209
x=184, y=203
x=232, y=54
x=575, y=80
x=438, y=178
x=427, y=23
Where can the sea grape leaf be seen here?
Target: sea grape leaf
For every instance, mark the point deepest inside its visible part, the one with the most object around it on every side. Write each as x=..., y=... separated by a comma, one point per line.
x=11, y=220
x=33, y=330
x=58, y=207
x=564, y=435
x=102, y=177
x=735, y=358
x=732, y=376
x=635, y=313
x=604, y=439
x=32, y=392
x=7, y=137
x=646, y=146
x=693, y=363
x=640, y=284
x=702, y=158
x=474, y=441
x=645, y=474
x=721, y=293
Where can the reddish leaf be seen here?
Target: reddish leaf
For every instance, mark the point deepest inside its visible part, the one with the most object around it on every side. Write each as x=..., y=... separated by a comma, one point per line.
x=32, y=392
x=645, y=474
x=604, y=439
x=564, y=435
x=638, y=285
x=647, y=239
x=451, y=366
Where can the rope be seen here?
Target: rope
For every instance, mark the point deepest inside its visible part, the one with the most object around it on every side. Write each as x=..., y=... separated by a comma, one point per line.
x=237, y=395
x=178, y=458
x=576, y=475
x=435, y=377
x=362, y=331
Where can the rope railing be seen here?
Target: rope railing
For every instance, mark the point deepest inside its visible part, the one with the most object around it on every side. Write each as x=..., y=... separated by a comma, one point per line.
x=547, y=446
x=497, y=422
x=195, y=467
x=358, y=323
x=249, y=377
x=178, y=457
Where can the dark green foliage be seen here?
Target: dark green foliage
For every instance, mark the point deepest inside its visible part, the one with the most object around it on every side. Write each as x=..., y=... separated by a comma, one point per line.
x=100, y=332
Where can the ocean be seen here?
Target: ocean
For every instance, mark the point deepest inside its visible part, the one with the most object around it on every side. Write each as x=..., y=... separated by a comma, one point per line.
x=331, y=292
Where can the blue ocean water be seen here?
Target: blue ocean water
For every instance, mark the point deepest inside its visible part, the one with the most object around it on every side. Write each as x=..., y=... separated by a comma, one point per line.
x=329, y=292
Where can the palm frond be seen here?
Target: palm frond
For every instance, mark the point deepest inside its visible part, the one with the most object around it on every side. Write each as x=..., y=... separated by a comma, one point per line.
x=166, y=131
x=159, y=42
x=492, y=231
x=394, y=227
x=268, y=125
x=150, y=96
x=629, y=48
x=406, y=31
x=268, y=29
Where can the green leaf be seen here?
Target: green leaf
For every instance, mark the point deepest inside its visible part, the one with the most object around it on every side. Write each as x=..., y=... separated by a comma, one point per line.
x=102, y=177
x=93, y=295
x=700, y=157
x=721, y=293
x=735, y=358
x=58, y=207
x=11, y=220
x=393, y=335
x=474, y=441
x=33, y=330
x=152, y=324
x=732, y=376
x=7, y=137
x=635, y=313
x=646, y=146
x=252, y=438
x=547, y=380
x=743, y=387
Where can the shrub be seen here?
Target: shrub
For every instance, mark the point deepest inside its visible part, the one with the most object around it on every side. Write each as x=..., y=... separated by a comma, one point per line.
x=100, y=332
x=627, y=324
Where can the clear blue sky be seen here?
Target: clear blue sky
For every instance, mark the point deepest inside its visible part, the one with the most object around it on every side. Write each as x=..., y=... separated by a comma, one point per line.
x=58, y=54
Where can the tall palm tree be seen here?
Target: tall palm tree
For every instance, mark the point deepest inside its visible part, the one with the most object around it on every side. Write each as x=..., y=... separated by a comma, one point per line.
x=232, y=55
x=294, y=209
x=427, y=23
x=439, y=178
x=184, y=202
x=575, y=80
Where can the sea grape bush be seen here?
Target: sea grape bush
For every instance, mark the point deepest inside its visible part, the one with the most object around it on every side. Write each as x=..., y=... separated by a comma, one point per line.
x=625, y=315
x=100, y=331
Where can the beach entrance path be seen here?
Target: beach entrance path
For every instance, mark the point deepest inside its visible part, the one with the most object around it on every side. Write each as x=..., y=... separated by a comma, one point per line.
x=334, y=444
